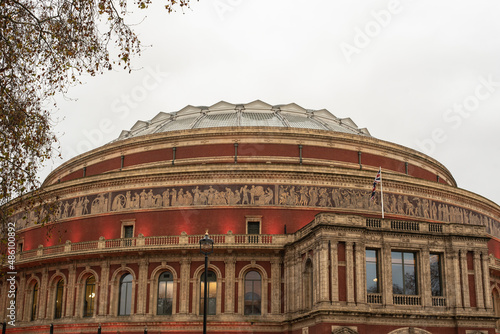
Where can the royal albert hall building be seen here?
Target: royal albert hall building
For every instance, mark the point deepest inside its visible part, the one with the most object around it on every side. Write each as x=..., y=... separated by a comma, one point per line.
x=299, y=245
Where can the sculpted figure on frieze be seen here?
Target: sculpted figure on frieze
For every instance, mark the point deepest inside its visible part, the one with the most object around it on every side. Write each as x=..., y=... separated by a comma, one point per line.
x=269, y=195
x=336, y=197
x=324, y=198
x=196, y=196
x=99, y=204
x=119, y=203
x=173, y=200
x=304, y=198
x=244, y=193
x=211, y=196
x=313, y=196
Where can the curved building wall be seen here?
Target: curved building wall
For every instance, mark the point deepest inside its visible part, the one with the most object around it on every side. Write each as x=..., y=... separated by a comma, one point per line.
x=289, y=207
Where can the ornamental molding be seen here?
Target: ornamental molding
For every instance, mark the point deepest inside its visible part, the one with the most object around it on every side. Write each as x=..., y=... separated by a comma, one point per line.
x=409, y=330
x=220, y=194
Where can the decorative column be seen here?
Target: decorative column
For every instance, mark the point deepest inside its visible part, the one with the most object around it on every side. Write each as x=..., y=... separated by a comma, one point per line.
x=42, y=294
x=360, y=273
x=335, y=271
x=478, y=279
x=488, y=303
x=184, y=288
x=290, y=282
x=230, y=269
x=297, y=265
x=465, y=278
x=316, y=274
x=452, y=276
x=70, y=297
x=349, y=259
x=386, y=266
x=20, y=297
x=275, y=286
x=142, y=287
x=425, y=274
x=103, y=297
x=456, y=274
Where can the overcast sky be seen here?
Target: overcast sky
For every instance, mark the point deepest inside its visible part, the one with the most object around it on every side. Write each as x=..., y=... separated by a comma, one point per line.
x=424, y=74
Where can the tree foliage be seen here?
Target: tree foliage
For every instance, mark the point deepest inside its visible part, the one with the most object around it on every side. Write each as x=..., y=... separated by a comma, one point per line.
x=45, y=45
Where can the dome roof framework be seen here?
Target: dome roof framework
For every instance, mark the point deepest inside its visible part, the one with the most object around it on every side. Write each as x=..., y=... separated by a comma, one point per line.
x=254, y=114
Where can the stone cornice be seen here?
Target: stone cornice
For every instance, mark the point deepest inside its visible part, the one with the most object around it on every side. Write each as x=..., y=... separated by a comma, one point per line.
x=252, y=135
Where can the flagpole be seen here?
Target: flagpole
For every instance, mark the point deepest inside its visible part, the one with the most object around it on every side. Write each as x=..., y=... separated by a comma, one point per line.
x=382, y=193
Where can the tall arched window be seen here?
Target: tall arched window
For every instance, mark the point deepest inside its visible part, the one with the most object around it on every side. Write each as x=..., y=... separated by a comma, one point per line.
x=59, y=299
x=34, y=302
x=496, y=307
x=125, y=300
x=308, y=285
x=165, y=293
x=253, y=293
x=212, y=292
x=88, y=302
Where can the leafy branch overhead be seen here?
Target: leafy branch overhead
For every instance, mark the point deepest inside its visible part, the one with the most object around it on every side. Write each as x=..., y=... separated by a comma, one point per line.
x=45, y=45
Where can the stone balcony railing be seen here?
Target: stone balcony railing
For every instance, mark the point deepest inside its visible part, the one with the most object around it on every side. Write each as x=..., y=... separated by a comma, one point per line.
x=184, y=241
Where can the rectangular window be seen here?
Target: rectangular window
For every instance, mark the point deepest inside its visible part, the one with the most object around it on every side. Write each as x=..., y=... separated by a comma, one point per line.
x=404, y=270
x=253, y=227
x=128, y=231
x=372, y=276
x=436, y=275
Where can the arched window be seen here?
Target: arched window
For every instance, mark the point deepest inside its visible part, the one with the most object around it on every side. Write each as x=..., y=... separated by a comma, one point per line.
x=34, y=302
x=308, y=285
x=253, y=293
x=125, y=300
x=88, y=302
x=211, y=293
x=59, y=299
x=496, y=307
x=165, y=293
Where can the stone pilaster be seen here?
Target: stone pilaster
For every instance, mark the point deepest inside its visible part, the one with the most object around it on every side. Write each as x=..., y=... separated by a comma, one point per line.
x=290, y=282
x=230, y=269
x=360, y=273
x=20, y=296
x=478, y=279
x=142, y=287
x=184, y=288
x=349, y=259
x=275, y=286
x=456, y=276
x=103, y=297
x=386, y=266
x=70, y=296
x=298, y=269
x=335, y=271
x=42, y=294
x=465, y=278
x=488, y=303
x=424, y=288
x=316, y=276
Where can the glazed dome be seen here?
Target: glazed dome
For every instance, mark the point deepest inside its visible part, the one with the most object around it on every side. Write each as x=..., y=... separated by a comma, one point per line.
x=254, y=114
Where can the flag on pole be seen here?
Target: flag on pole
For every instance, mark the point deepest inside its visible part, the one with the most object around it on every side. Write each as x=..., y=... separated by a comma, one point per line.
x=378, y=179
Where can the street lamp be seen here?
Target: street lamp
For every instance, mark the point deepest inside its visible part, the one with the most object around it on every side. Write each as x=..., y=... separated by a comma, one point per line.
x=206, y=247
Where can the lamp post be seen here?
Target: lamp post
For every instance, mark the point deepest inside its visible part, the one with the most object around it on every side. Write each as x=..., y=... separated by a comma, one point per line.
x=206, y=247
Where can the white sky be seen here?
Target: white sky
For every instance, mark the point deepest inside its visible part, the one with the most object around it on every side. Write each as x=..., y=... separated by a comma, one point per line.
x=404, y=69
